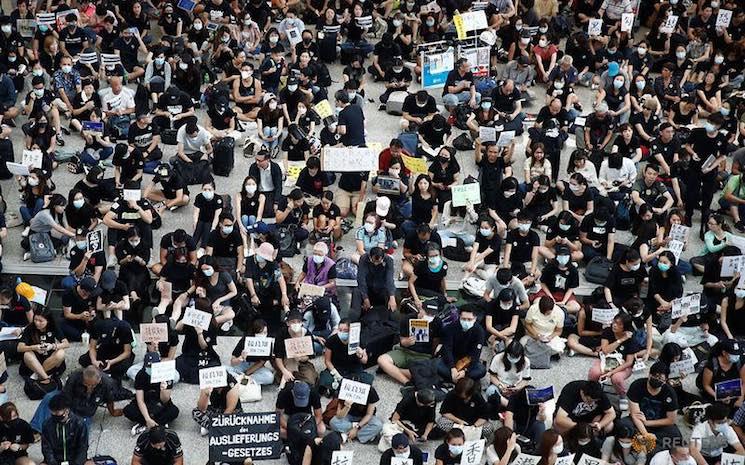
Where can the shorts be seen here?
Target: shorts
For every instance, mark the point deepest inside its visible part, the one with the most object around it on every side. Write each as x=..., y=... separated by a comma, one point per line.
x=345, y=199
x=403, y=357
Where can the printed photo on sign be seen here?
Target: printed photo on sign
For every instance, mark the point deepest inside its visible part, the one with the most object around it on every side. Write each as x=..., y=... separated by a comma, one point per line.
x=355, y=330
x=241, y=436
x=419, y=330
x=354, y=391
x=604, y=316
x=401, y=461
x=565, y=460
x=32, y=158
x=728, y=389
x=679, y=232
x=153, y=332
x=724, y=17
x=669, y=25
x=258, y=346
x=197, y=318
x=213, y=377
x=472, y=452
x=93, y=126
x=163, y=371
x=95, y=241
x=627, y=22
x=676, y=247
x=298, y=346
x=539, y=396
x=588, y=460
x=732, y=265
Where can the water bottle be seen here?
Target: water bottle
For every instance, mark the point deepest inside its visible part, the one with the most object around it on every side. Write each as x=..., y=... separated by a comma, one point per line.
x=85, y=337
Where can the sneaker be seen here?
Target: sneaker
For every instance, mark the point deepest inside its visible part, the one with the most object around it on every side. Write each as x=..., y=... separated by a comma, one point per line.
x=25, y=231
x=623, y=404
x=381, y=107
x=34, y=376
x=740, y=226
x=138, y=429
x=26, y=256
x=248, y=150
x=60, y=140
x=572, y=352
x=203, y=431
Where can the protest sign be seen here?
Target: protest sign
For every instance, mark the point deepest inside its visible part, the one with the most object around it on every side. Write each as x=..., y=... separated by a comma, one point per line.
x=61, y=18
x=687, y=305
x=311, y=290
x=239, y=436
x=132, y=195
x=419, y=330
x=32, y=158
x=595, y=27
x=627, y=22
x=349, y=159
x=213, y=377
x=728, y=389
x=478, y=58
x=723, y=18
x=565, y=460
x=505, y=138
x=26, y=27
x=682, y=367
x=472, y=452
x=414, y=164
x=186, y=5
x=258, y=346
x=465, y=194
x=669, y=25
x=153, y=332
x=676, y=247
x=3, y=363
x=526, y=459
x=401, y=461
x=604, y=316
x=342, y=457
x=197, y=318
x=679, y=232
x=294, y=36
x=18, y=169
x=588, y=460
x=323, y=109
x=732, y=265
x=539, y=396
x=354, y=391
x=40, y=295
x=47, y=19
x=163, y=371
x=732, y=459
x=298, y=346
x=487, y=134
x=95, y=241
x=93, y=126
x=355, y=331
x=435, y=67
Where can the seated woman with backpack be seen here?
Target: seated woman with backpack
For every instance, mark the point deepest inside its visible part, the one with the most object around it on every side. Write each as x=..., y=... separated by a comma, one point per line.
x=198, y=349
x=48, y=221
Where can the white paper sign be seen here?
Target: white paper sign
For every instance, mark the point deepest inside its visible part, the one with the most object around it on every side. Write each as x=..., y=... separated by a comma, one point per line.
x=580, y=120
x=153, y=332
x=163, y=371
x=298, y=346
x=354, y=391
x=505, y=138
x=258, y=346
x=474, y=20
x=687, y=305
x=595, y=27
x=132, y=194
x=197, y=318
x=676, y=247
x=723, y=19
x=526, y=459
x=732, y=265
x=213, y=377
x=311, y=290
x=349, y=159
x=679, y=232
x=604, y=316
x=342, y=457
x=19, y=169
x=464, y=194
x=683, y=367
x=95, y=241
x=487, y=134
x=32, y=158
x=472, y=452
x=355, y=330
x=732, y=459
x=401, y=461
x=587, y=460
x=566, y=460
x=669, y=25
x=627, y=22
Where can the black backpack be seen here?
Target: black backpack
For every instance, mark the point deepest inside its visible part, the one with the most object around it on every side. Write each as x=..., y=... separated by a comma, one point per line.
x=321, y=310
x=301, y=430
x=462, y=113
x=287, y=242
x=457, y=253
x=36, y=390
x=223, y=160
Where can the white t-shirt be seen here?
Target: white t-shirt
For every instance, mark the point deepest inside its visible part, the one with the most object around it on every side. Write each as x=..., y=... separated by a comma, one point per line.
x=544, y=324
x=711, y=444
x=661, y=458
x=124, y=100
x=511, y=377
x=193, y=145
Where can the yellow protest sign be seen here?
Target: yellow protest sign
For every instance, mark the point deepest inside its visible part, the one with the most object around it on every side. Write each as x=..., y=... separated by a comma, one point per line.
x=460, y=28
x=323, y=109
x=415, y=165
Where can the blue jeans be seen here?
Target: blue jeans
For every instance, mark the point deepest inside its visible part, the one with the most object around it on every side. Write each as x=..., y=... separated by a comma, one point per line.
x=262, y=376
x=405, y=208
x=452, y=100
x=103, y=154
x=28, y=213
x=248, y=221
x=476, y=371
x=468, y=239
x=43, y=413
x=270, y=132
x=362, y=46
x=366, y=434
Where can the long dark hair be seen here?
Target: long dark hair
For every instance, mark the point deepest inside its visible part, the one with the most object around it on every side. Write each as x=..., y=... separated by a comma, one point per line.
x=621, y=430
x=548, y=441
x=51, y=326
x=501, y=437
x=515, y=349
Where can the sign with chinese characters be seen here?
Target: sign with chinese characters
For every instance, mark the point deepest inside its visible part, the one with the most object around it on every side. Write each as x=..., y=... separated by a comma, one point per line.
x=354, y=391
x=355, y=331
x=197, y=318
x=604, y=316
x=213, y=377
x=296, y=347
x=595, y=27
x=153, y=332
x=95, y=241
x=163, y=371
x=732, y=265
x=472, y=452
x=258, y=346
x=687, y=305
x=342, y=457
x=526, y=459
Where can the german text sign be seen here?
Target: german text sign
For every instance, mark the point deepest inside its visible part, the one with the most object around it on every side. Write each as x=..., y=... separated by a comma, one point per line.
x=236, y=437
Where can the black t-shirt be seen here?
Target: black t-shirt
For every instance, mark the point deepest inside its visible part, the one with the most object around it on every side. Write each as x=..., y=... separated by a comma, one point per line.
x=577, y=203
x=505, y=102
x=332, y=213
x=522, y=246
x=77, y=103
x=151, y=455
x=310, y=184
x=704, y=146
x=654, y=407
x=207, y=208
x=297, y=215
x=624, y=284
x=16, y=431
x=73, y=40
x=558, y=280
x=416, y=246
x=443, y=453
x=631, y=346
x=32, y=336
x=495, y=242
x=501, y=318
x=352, y=181
x=340, y=357
x=142, y=137
x=286, y=402
x=428, y=279
x=220, y=121
x=116, y=294
x=410, y=411
x=454, y=78
x=224, y=246
x=150, y=390
x=191, y=341
x=77, y=304
x=175, y=103
x=111, y=337
x=238, y=351
x=15, y=314
x=577, y=409
x=469, y=411
x=434, y=137
x=410, y=106
x=596, y=232
x=353, y=119
x=166, y=243
x=127, y=50
x=358, y=410
x=77, y=256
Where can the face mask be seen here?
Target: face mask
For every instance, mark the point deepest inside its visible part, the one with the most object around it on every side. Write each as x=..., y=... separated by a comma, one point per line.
x=58, y=418
x=624, y=445
x=710, y=127
x=272, y=106
x=562, y=259
x=351, y=95
x=134, y=243
x=344, y=337
x=466, y=324
x=227, y=230
x=78, y=204
x=250, y=189
x=635, y=267
x=397, y=22
x=542, y=43
x=296, y=327
x=641, y=85
x=398, y=70
x=208, y=272
x=518, y=27
x=565, y=227
x=12, y=59
x=558, y=84
x=434, y=262
x=160, y=61
x=43, y=27
x=82, y=245
x=734, y=358
x=524, y=227
x=543, y=29
x=455, y=450
x=673, y=2
x=274, y=39
x=38, y=72
x=505, y=306
x=197, y=26
x=740, y=293
x=680, y=55
x=260, y=260
x=39, y=92
x=618, y=83
x=247, y=22
x=722, y=427
x=513, y=359
x=369, y=227
x=394, y=172
x=318, y=259
x=402, y=455
x=508, y=194
x=583, y=442
x=430, y=22
x=724, y=111
x=557, y=448
x=641, y=51
x=33, y=182
x=574, y=187
x=208, y=195
x=245, y=74
x=718, y=59
x=655, y=383
x=486, y=105
x=485, y=231
x=292, y=88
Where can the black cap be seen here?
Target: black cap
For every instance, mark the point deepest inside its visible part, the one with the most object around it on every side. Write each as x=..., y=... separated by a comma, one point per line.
x=732, y=346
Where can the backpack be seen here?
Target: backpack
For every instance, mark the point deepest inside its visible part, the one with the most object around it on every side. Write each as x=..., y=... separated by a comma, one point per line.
x=223, y=161
x=457, y=253
x=424, y=375
x=463, y=142
x=227, y=203
x=321, y=311
x=287, y=242
x=346, y=269
x=36, y=391
x=598, y=269
x=104, y=460
x=301, y=430
x=41, y=248
x=215, y=93
x=462, y=113
x=475, y=287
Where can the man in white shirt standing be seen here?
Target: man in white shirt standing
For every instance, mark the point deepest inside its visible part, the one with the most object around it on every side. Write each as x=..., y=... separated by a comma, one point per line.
x=711, y=437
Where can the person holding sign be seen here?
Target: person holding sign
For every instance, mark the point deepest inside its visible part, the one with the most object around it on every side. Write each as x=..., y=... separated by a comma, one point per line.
x=198, y=349
x=401, y=448
x=710, y=437
x=83, y=262
x=166, y=347
x=451, y=451
x=319, y=270
x=152, y=405
x=292, y=363
x=358, y=421
x=217, y=401
x=716, y=239
x=428, y=277
x=725, y=363
x=340, y=363
x=255, y=366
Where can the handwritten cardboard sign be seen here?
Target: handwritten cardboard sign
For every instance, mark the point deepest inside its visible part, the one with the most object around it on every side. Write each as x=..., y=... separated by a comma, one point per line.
x=154, y=332
x=163, y=371
x=258, y=346
x=213, y=377
x=296, y=347
x=197, y=318
x=311, y=290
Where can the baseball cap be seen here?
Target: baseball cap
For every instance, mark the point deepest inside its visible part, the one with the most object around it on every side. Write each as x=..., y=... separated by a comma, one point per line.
x=562, y=250
x=731, y=346
x=108, y=280
x=613, y=68
x=382, y=206
x=150, y=358
x=266, y=251
x=399, y=440
x=88, y=284
x=301, y=393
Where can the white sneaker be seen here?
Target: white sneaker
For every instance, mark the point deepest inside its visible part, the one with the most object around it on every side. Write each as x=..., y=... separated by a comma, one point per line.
x=227, y=325
x=34, y=376
x=138, y=429
x=26, y=256
x=111, y=262
x=200, y=252
x=623, y=404
x=203, y=431
x=572, y=353
x=26, y=231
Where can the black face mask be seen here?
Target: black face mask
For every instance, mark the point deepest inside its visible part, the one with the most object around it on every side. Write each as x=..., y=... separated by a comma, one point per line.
x=58, y=418
x=655, y=383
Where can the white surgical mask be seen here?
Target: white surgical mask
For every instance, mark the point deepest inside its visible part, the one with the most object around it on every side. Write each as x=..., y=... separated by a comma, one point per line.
x=513, y=359
x=542, y=43
x=505, y=306
x=245, y=74
x=351, y=95
x=641, y=85
x=208, y=272
x=485, y=231
x=525, y=40
x=250, y=189
x=274, y=39
x=369, y=227
x=625, y=445
x=292, y=87
x=394, y=171
x=12, y=59
x=635, y=267
x=680, y=55
x=403, y=455
x=719, y=59
x=740, y=293
x=565, y=227
x=197, y=26
x=7, y=28
x=38, y=72
x=618, y=83
x=208, y=195
x=160, y=61
x=78, y=203
x=318, y=259
x=562, y=259
x=33, y=182
x=524, y=227
x=134, y=243
x=434, y=262
x=557, y=448
x=296, y=327
x=397, y=22
x=543, y=29
x=39, y=92
x=183, y=66
x=641, y=51
x=583, y=442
